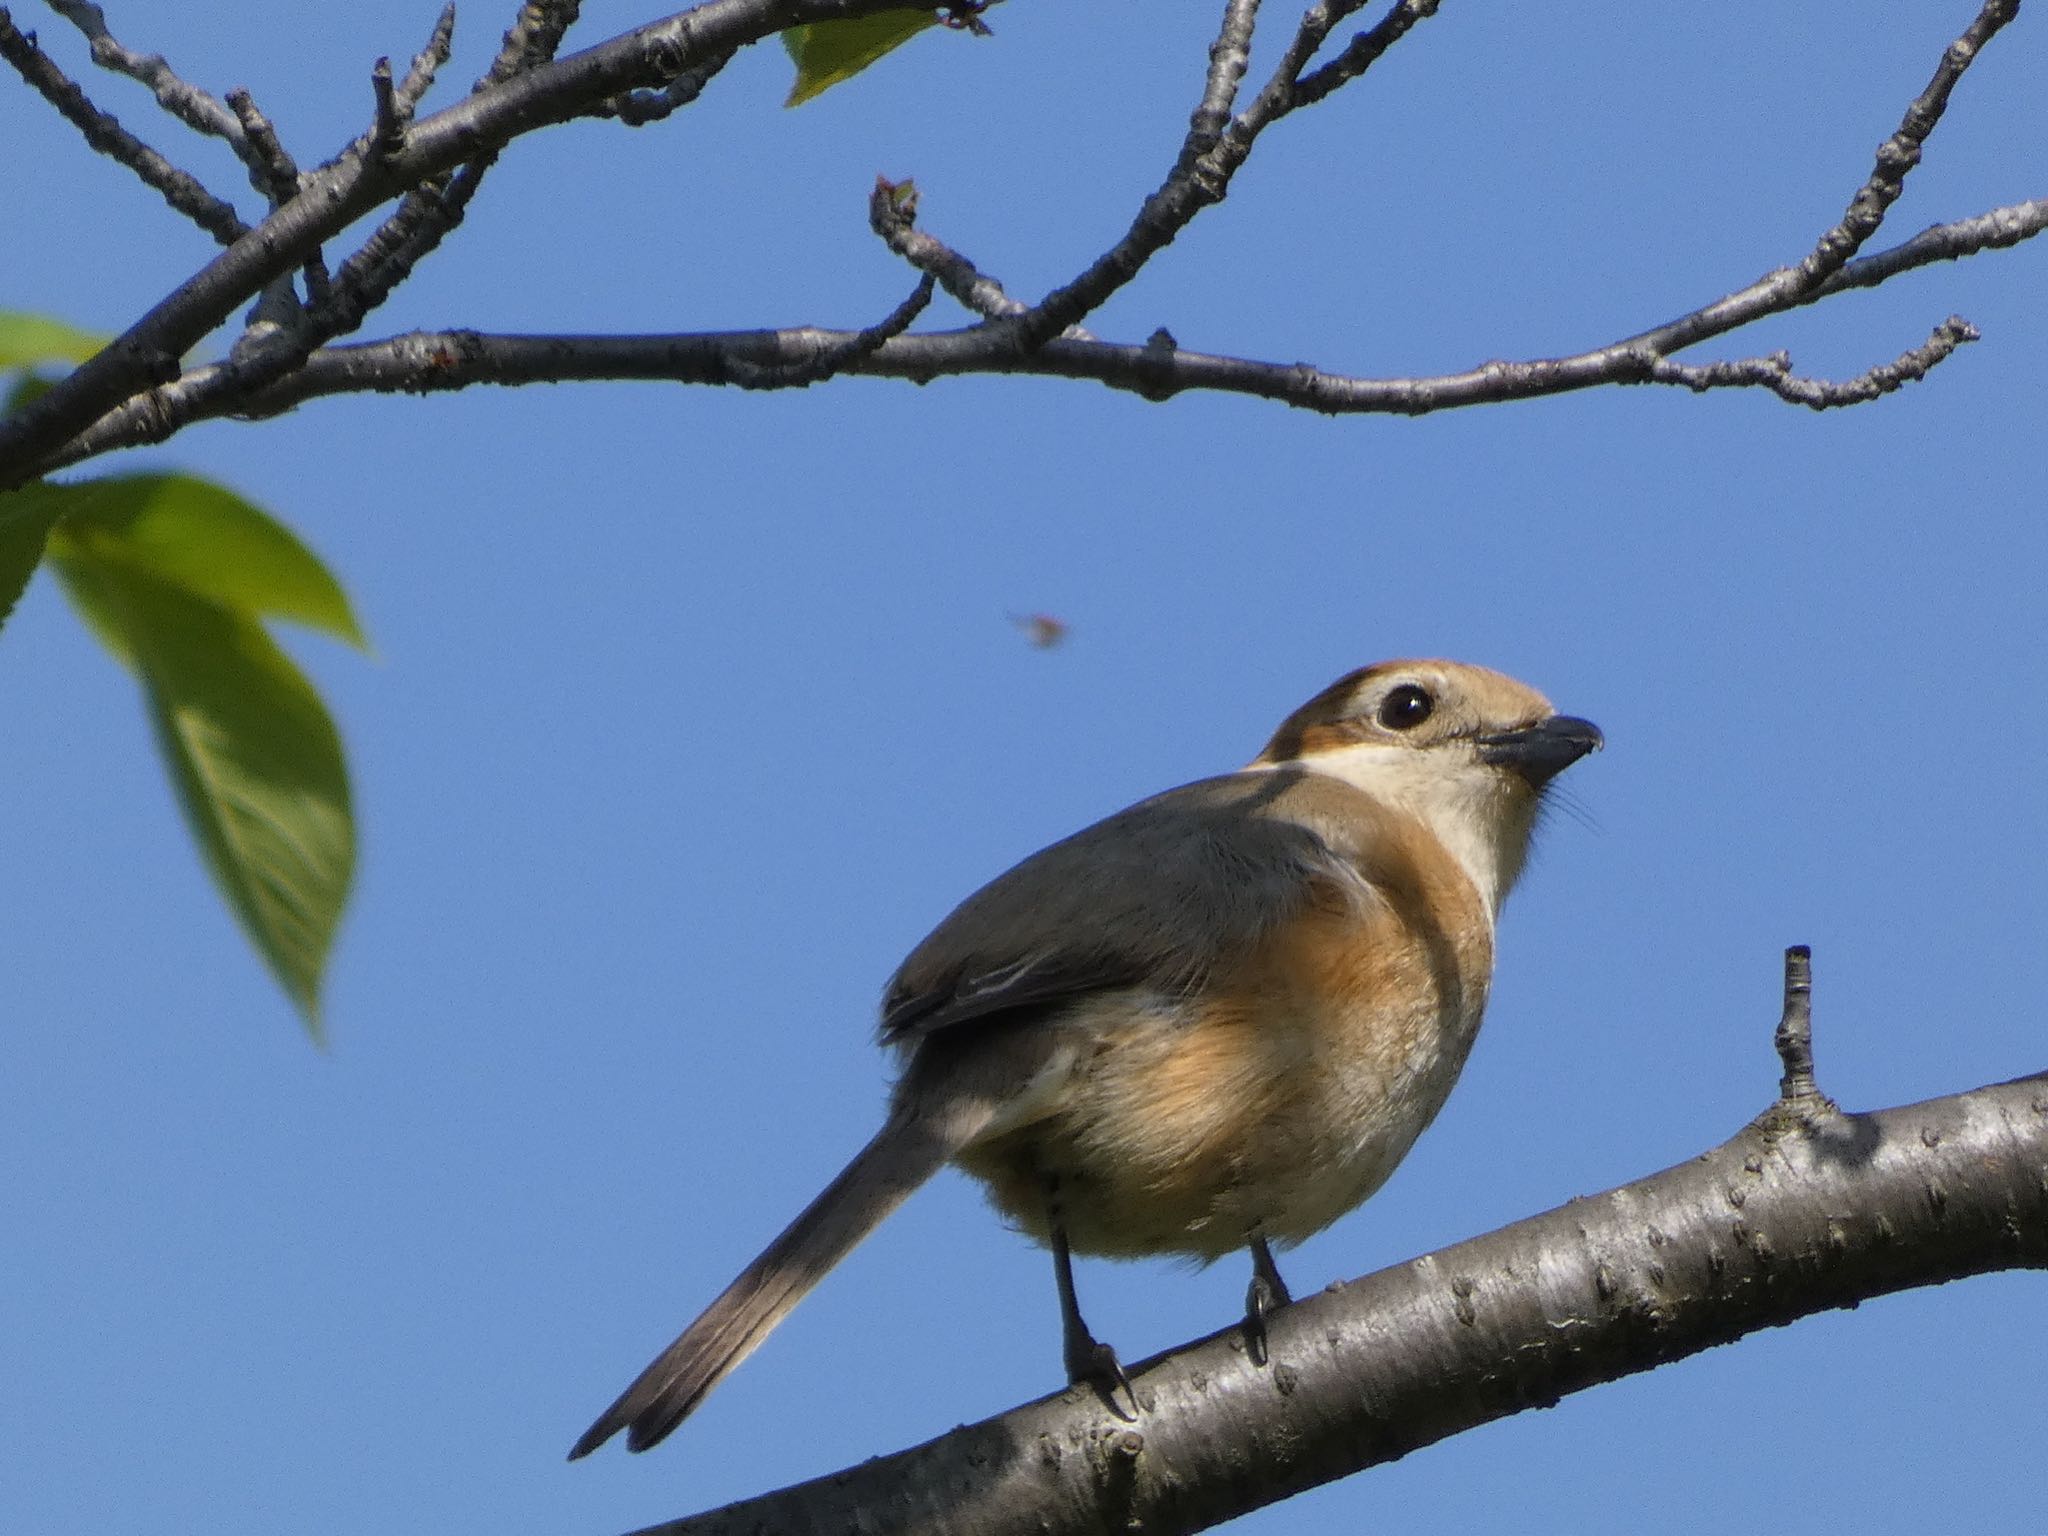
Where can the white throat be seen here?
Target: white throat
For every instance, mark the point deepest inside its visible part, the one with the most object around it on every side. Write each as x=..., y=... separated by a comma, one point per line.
x=1460, y=799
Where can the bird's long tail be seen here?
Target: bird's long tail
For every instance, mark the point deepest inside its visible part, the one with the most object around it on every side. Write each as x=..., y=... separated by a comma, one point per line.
x=906, y=1152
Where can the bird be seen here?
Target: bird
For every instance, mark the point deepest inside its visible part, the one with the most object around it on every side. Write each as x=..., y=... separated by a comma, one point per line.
x=1213, y=1021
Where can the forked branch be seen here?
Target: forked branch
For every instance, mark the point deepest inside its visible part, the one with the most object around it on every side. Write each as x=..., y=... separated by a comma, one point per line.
x=136, y=392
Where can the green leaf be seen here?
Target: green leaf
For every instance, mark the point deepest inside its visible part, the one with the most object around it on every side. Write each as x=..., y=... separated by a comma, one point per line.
x=253, y=755
x=26, y=340
x=175, y=574
x=827, y=52
x=205, y=540
x=25, y=520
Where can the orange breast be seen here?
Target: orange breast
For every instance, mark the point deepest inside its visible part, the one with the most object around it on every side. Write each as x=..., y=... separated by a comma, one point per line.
x=1277, y=1099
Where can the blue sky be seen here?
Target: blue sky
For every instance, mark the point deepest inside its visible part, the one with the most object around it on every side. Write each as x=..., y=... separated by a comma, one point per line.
x=691, y=711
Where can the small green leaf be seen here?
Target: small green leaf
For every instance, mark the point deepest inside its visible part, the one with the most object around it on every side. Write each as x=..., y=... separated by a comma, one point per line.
x=254, y=757
x=175, y=574
x=25, y=520
x=192, y=534
x=26, y=340
x=827, y=52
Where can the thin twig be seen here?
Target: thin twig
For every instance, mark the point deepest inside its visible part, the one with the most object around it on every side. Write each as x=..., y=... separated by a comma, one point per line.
x=834, y=357
x=276, y=175
x=426, y=64
x=1279, y=96
x=425, y=217
x=398, y=102
x=387, y=134
x=1897, y=156
x=182, y=190
x=1202, y=171
x=1992, y=231
x=427, y=214
x=1775, y=372
x=272, y=169
x=536, y=32
x=195, y=108
x=1359, y=55
x=1794, y=1037
x=892, y=214
x=233, y=117
x=1826, y=268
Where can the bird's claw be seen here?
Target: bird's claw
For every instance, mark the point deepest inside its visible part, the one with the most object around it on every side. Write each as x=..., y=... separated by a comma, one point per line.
x=1266, y=1293
x=1090, y=1362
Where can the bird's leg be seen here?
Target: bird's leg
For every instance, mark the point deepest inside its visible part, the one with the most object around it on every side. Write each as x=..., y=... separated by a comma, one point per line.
x=1088, y=1359
x=1266, y=1292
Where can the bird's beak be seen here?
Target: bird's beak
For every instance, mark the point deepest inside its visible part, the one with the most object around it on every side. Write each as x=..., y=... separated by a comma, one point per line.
x=1540, y=752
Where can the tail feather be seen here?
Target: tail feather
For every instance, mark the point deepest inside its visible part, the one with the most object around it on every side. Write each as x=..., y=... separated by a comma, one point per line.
x=905, y=1152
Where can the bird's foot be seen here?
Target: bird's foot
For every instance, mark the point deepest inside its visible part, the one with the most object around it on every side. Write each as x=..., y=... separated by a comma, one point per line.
x=1265, y=1294
x=1092, y=1363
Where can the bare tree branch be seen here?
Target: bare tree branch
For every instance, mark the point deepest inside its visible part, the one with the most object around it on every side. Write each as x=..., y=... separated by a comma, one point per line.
x=192, y=106
x=649, y=72
x=276, y=173
x=1791, y=286
x=423, y=218
x=387, y=134
x=1358, y=56
x=892, y=214
x=1229, y=57
x=536, y=32
x=1897, y=156
x=1992, y=231
x=431, y=212
x=426, y=64
x=335, y=196
x=636, y=109
x=427, y=361
x=1775, y=372
x=1208, y=160
x=232, y=117
x=1804, y=1210
x=834, y=357
x=103, y=131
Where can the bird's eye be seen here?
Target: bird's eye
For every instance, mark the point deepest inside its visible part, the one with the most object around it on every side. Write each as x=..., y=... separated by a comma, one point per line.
x=1406, y=707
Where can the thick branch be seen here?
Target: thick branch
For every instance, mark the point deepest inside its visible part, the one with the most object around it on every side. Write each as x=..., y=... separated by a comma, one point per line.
x=1804, y=1210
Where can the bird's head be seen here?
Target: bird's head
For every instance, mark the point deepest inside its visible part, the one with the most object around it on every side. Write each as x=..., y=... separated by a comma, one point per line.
x=1466, y=749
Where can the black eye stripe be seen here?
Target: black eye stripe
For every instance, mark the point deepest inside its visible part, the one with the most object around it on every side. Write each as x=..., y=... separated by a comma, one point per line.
x=1406, y=707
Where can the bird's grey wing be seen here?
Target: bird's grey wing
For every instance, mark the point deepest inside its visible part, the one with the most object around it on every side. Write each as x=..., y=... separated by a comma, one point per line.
x=1155, y=895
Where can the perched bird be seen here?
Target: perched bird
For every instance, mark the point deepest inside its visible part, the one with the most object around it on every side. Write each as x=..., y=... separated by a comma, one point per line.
x=1216, y=1020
